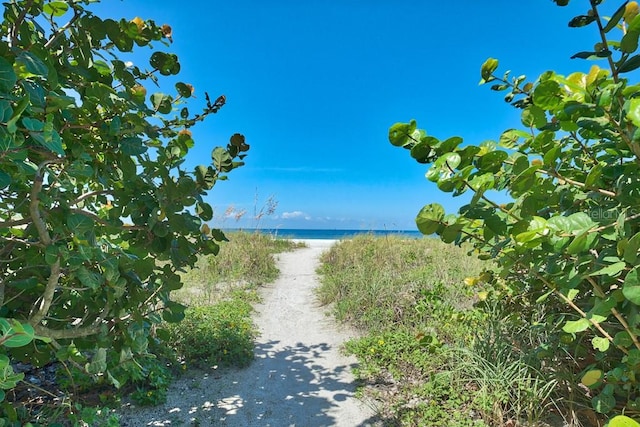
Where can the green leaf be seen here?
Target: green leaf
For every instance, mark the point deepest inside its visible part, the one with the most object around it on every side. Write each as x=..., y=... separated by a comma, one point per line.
x=592, y=378
x=22, y=105
x=574, y=326
x=487, y=69
x=32, y=63
x=33, y=125
x=51, y=254
x=5, y=180
x=601, y=344
x=611, y=270
x=222, y=159
x=205, y=176
x=581, y=243
x=166, y=63
x=429, y=218
x=622, y=421
x=161, y=103
x=102, y=67
x=581, y=21
x=80, y=224
x=443, y=167
x=8, y=77
x=184, y=90
x=89, y=278
x=629, y=42
x=16, y=334
x=547, y=95
x=615, y=19
x=98, y=362
x=204, y=211
x=630, y=254
x=594, y=175
x=534, y=116
x=603, y=403
x=132, y=146
x=492, y=162
x=399, y=133
x=542, y=298
x=422, y=151
x=6, y=111
x=591, y=54
x=622, y=339
x=579, y=222
x=55, y=8
x=631, y=286
x=173, y=312
x=630, y=64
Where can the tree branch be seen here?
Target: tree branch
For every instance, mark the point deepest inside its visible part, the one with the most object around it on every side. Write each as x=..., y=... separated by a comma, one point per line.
x=34, y=208
x=61, y=30
x=16, y=27
x=47, y=295
x=85, y=331
x=97, y=219
x=15, y=223
x=87, y=195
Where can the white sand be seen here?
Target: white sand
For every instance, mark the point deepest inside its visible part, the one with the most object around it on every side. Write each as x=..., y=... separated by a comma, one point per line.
x=299, y=377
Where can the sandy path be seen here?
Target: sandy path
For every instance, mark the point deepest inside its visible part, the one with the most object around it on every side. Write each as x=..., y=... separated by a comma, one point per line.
x=299, y=377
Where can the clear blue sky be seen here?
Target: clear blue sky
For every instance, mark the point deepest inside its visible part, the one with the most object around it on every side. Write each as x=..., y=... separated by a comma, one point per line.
x=314, y=86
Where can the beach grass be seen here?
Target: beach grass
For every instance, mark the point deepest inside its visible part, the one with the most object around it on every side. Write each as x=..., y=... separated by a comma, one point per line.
x=376, y=283
x=245, y=261
x=431, y=351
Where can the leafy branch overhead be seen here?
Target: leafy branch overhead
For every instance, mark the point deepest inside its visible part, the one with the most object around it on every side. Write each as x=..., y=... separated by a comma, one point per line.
x=554, y=201
x=98, y=212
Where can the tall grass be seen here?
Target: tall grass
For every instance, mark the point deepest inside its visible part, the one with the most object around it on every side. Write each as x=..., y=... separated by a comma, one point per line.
x=377, y=283
x=246, y=260
x=431, y=351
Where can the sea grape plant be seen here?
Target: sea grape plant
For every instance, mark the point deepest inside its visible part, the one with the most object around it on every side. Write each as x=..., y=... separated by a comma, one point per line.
x=98, y=210
x=569, y=235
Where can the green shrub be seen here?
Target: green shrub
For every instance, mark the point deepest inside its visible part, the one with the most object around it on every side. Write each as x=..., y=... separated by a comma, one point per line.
x=566, y=245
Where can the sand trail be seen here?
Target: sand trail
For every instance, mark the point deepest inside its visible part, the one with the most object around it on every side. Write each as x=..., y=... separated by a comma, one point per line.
x=299, y=376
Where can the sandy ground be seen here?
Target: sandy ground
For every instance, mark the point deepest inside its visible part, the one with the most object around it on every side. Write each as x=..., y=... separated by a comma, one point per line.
x=299, y=377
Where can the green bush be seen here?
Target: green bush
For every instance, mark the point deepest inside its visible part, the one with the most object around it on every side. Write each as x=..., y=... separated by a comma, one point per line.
x=566, y=245
x=98, y=211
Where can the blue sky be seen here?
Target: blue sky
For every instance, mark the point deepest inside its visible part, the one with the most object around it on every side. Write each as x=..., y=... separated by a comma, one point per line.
x=314, y=86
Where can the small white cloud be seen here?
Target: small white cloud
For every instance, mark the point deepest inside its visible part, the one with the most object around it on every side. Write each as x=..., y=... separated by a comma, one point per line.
x=294, y=214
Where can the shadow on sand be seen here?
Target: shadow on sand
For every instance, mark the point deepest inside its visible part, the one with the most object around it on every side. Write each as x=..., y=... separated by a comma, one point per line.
x=284, y=386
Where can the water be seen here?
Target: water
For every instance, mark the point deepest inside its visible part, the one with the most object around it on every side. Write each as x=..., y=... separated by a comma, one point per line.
x=291, y=233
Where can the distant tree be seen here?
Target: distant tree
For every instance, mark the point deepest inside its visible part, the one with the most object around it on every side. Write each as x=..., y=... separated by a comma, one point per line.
x=98, y=213
x=567, y=244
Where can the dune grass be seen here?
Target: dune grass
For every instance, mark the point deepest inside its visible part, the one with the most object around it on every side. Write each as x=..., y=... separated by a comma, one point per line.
x=431, y=352
x=245, y=261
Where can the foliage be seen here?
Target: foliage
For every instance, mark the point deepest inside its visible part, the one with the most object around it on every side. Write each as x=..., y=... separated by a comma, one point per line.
x=98, y=212
x=566, y=244
x=152, y=387
x=220, y=334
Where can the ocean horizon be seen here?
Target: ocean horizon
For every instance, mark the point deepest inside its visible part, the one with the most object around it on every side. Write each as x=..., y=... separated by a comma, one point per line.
x=328, y=234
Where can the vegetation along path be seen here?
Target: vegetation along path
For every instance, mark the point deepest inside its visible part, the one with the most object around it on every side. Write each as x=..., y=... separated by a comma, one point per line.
x=299, y=377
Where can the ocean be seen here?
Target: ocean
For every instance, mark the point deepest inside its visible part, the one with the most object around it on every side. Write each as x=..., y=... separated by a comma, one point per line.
x=292, y=233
